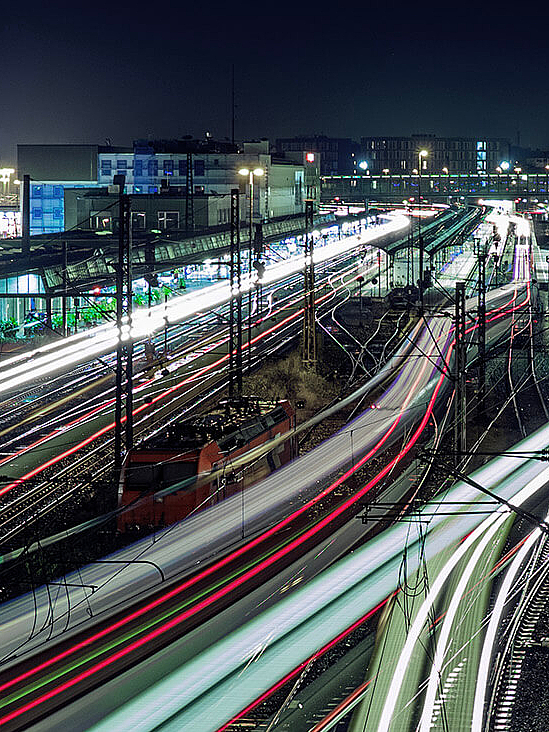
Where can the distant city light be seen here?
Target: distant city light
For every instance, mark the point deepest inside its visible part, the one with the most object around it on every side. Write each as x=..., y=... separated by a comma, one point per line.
x=363, y=165
x=504, y=165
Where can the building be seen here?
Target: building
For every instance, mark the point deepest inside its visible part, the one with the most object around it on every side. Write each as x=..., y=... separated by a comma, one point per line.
x=444, y=154
x=337, y=154
x=53, y=168
x=183, y=168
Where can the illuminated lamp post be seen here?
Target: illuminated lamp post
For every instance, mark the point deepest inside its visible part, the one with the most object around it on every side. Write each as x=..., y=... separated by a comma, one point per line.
x=255, y=173
x=422, y=154
x=504, y=167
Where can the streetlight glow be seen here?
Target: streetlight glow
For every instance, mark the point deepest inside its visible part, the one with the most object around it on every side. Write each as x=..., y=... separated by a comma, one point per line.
x=423, y=153
x=258, y=171
x=363, y=165
x=504, y=165
x=243, y=171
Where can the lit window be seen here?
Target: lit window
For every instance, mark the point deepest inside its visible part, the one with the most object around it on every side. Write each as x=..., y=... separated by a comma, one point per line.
x=168, y=219
x=138, y=220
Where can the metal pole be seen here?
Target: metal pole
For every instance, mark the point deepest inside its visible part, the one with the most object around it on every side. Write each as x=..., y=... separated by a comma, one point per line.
x=235, y=247
x=48, y=313
x=420, y=241
x=165, y=327
x=234, y=278
x=250, y=272
x=25, y=217
x=64, y=297
x=459, y=373
x=379, y=274
x=309, y=323
x=481, y=329
x=129, y=343
x=119, y=345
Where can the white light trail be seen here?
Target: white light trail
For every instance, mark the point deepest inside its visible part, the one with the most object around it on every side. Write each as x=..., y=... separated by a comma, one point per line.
x=394, y=690
x=103, y=339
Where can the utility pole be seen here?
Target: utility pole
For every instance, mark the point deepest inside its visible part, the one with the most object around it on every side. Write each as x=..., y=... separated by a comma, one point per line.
x=481, y=328
x=235, y=354
x=309, y=330
x=459, y=373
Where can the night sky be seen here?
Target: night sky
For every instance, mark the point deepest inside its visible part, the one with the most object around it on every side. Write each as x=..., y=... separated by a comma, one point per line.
x=80, y=72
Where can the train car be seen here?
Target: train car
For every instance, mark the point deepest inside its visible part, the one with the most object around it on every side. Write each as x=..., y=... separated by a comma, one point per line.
x=198, y=445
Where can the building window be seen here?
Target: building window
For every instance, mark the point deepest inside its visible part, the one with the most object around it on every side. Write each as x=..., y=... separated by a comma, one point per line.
x=138, y=168
x=106, y=167
x=183, y=168
x=36, y=213
x=121, y=164
x=168, y=219
x=199, y=167
x=153, y=168
x=153, y=189
x=37, y=191
x=100, y=222
x=168, y=167
x=58, y=191
x=138, y=220
x=223, y=215
x=57, y=214
x=199, y=189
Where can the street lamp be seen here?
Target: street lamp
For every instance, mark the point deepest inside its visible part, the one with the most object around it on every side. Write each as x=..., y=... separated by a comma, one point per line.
x=251, y=173
x=422, y=154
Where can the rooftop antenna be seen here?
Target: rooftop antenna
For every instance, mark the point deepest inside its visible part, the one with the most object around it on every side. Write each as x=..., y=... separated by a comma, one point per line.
x=233, y=107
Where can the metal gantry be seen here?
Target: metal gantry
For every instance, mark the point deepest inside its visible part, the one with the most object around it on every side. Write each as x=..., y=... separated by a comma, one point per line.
x=235, y=305
x=481, y=328
x=124, y=350
x=460, y=364
x=309, y=330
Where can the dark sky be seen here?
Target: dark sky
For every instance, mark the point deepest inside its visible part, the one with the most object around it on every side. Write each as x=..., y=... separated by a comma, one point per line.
x=83, y=72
